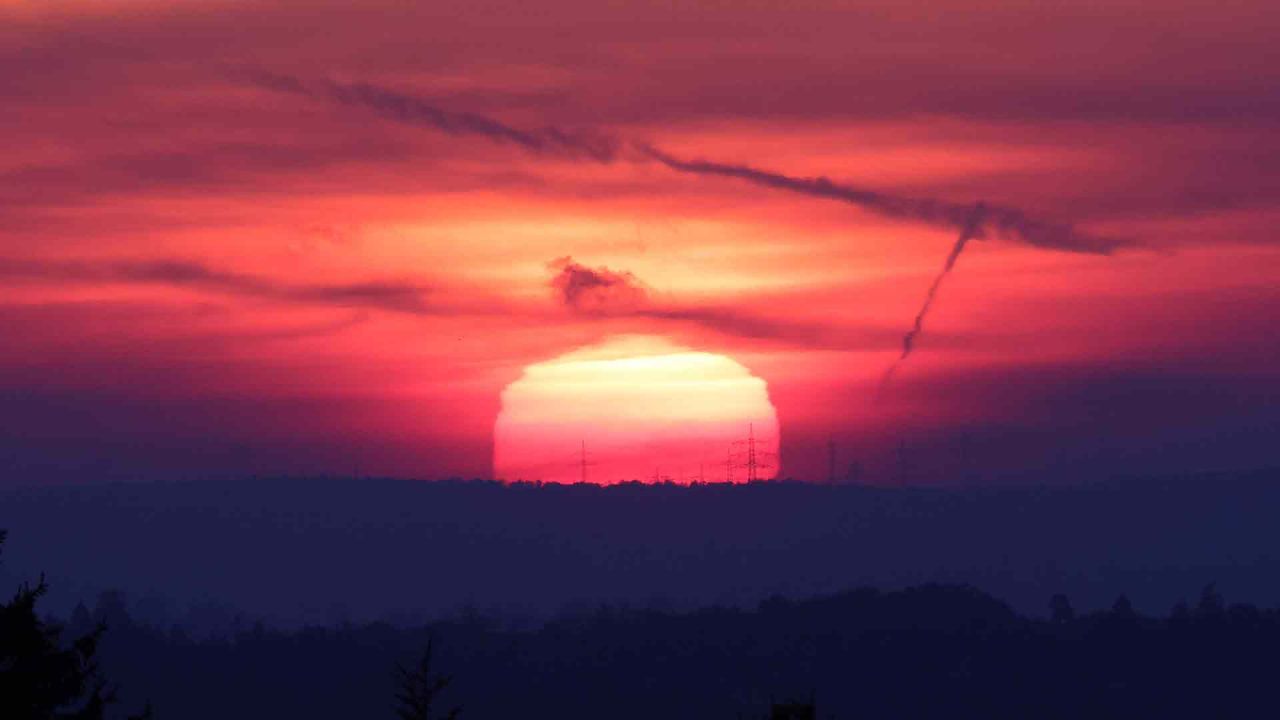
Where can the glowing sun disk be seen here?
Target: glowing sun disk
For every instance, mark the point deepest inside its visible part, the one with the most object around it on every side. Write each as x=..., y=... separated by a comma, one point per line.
x=642, y=405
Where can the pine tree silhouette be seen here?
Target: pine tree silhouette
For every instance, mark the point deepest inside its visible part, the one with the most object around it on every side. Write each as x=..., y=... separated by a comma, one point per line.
x=420, y=688
x=39, y=680
x=793, y=711
x=1060, y=610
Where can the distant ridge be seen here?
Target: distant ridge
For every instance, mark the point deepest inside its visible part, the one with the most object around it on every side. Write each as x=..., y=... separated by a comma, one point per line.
x=296, y=550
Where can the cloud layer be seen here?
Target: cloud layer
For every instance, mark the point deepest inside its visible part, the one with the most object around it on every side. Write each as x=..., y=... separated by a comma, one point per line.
x=274, y=257
x=596, y=290
x=1005, y=222
x=380, y=295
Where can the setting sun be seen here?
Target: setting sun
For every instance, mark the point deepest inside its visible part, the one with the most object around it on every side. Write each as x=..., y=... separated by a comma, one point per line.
x=643, y=409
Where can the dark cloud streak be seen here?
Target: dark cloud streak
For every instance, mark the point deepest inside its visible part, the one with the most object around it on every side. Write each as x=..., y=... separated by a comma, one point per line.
x=379, y=295
x=1008, y=223
x=596, y=290
x=971, y=229
x=601, y=290
x=620, y=295
x=407, y=109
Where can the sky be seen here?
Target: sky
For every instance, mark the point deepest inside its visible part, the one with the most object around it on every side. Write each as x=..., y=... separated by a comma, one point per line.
x=331, y=238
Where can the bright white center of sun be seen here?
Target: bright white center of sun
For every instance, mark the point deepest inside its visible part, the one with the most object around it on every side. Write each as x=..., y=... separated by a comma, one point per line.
x=644, y=409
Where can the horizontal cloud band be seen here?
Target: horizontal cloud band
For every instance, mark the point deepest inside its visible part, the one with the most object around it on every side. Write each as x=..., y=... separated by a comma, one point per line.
x=1008, y=223
x=600, y=290
x=380, y=295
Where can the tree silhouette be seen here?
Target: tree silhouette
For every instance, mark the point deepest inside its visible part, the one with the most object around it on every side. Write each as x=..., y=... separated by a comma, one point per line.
x=420, y=688
x=793, y=711
x=1060, y=610
x=1211, y=605
x=1123, y=610
x=39, y=680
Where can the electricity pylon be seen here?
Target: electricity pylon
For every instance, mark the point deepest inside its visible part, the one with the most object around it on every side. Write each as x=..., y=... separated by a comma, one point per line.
x=583, y=462
x=743, y=454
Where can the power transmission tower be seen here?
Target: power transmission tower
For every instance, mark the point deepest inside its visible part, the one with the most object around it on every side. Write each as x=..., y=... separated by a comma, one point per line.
x=583, y=462
x=744, y=455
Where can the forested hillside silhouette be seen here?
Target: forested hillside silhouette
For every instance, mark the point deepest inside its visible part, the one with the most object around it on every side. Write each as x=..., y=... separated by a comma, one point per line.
x=926, y=652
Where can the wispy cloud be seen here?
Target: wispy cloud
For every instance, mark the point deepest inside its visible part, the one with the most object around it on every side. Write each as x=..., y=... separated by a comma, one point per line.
x=969, y=232
x=596, y=290
x=381, y=295
x=1005, y=222
x=604, y=293
x=583, y=144
x=601, y=290
x=1008, y=223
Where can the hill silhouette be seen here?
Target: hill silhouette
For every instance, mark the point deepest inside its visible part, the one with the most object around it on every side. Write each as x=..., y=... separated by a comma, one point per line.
x=923, y=652
x=293, y=552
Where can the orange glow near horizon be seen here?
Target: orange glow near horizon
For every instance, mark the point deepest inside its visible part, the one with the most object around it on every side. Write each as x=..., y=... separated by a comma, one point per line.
x=222, y=254
x=643, y=407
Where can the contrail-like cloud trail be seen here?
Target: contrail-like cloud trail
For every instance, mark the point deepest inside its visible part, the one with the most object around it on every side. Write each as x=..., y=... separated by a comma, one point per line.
x=1009, y=223
x=378, y=295
x=979, y=221
x=971, y=228
x=549, y=140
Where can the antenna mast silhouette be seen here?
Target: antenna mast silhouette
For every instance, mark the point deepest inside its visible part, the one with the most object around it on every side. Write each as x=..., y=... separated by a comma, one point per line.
x=583, y=462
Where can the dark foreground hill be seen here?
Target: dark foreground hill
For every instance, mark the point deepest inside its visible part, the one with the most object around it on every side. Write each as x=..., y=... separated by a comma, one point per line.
x=925, y=652
x=317, y=551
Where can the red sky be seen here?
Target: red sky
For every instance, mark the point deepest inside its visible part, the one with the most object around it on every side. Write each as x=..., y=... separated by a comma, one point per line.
x=319, y=238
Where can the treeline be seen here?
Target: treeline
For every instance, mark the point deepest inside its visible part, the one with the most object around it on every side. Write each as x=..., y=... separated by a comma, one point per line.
x=314, y=552
x=926, y=652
